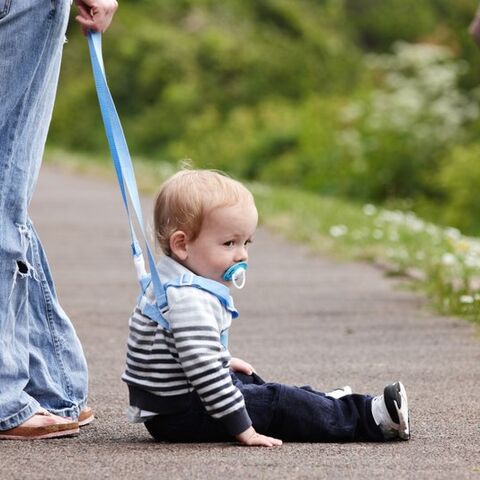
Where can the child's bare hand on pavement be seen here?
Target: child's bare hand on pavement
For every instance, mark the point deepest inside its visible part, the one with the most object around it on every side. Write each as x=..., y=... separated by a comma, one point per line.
x=251, y=438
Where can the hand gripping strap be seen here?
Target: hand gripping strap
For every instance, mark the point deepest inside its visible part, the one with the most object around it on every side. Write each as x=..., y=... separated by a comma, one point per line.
x=124, y=168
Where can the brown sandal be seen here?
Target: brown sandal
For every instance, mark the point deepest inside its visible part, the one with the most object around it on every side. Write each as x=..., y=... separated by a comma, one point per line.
x=59, y=427
x=86, y=416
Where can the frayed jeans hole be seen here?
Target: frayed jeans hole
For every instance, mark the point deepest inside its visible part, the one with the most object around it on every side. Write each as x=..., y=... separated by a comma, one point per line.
x=26, y=269
x=22, y=267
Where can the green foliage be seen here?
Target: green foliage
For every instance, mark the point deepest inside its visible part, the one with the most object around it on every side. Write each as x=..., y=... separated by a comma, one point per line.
x=397, y=133
x=168, y=63
x=288, y=92
x=378, y=23
x=460, y=179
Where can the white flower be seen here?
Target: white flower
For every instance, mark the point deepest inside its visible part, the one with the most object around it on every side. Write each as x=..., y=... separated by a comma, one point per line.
x=472, y=261
x=448, y=259
x=338, y=230
x=466, y=299
x=453, y=233
x=377, y=234
x=369, y=209
x=392, y=216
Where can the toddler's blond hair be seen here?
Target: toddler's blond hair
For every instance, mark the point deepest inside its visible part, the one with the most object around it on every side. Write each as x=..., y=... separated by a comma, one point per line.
x=186, y=197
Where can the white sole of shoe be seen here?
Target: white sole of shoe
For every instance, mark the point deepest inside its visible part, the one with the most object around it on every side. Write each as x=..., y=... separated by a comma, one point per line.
x=404, y=423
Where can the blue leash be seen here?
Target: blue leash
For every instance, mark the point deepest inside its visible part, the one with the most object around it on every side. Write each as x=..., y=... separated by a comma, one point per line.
x=125, y=175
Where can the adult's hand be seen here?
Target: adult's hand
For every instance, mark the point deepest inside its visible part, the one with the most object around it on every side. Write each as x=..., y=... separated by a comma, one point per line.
x=95, y=15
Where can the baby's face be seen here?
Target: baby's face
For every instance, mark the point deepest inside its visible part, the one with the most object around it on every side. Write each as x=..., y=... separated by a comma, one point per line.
x=223, y=240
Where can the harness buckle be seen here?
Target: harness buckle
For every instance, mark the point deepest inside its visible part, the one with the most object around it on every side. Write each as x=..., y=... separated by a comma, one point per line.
x=186, y=279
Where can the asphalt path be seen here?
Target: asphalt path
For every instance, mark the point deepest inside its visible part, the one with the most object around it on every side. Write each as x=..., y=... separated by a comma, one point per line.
x=304, y=320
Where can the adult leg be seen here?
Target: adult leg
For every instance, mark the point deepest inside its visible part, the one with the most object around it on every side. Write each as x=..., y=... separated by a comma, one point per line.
x=62, y=365
x=58, y=371
x=31, y=40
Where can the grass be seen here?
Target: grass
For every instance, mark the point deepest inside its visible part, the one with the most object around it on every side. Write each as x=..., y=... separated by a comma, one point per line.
x=441, y=262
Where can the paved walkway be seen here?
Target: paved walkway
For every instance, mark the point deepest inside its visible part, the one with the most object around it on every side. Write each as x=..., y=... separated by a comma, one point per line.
x=304, y=319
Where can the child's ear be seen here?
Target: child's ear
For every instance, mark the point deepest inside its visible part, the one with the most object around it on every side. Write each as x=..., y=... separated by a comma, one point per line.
x=178, y=244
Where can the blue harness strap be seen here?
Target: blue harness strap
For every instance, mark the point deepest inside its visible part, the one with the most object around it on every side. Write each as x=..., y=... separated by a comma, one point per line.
x=124, y=170
x=128, y=187
x=211, y=286
x=216, y=289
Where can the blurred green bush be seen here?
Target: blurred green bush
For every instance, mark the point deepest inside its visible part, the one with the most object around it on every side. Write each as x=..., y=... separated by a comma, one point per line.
x=460, y=178
x=362, y=99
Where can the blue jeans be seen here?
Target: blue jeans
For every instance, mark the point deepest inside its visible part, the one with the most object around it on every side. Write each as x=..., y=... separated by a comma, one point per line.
x=292, y=414
x=41, y=359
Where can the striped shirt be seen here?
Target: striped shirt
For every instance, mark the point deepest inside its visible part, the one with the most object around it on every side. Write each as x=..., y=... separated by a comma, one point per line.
x=170, y=365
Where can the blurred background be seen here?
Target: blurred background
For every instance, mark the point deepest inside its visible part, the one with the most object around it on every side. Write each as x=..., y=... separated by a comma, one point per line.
x=366, y=100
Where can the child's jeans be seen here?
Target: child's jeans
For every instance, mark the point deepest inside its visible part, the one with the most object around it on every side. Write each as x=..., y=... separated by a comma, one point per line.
x=295, y=414
x=41, y=359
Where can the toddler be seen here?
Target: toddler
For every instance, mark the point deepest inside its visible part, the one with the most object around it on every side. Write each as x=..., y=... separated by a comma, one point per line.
x=183, y=383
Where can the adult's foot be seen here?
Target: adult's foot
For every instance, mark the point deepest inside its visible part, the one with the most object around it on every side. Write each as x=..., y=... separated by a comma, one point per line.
x=40, y=426
x=86, y=416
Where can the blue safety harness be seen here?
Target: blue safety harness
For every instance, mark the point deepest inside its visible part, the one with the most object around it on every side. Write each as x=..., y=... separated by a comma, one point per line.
x=128, y=187
x=189, y=279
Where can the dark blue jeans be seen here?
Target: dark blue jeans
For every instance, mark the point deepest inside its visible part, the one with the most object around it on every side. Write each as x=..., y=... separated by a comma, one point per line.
x=292, y=414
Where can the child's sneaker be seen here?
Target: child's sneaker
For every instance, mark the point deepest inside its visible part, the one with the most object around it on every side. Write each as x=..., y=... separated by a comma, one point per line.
x=339, y=392
x=390, y=412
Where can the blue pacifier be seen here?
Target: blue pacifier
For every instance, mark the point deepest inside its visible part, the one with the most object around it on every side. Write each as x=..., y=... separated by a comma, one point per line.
x=237, y=274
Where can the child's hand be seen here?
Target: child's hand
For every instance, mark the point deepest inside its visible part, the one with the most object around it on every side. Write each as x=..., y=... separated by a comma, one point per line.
x=239, y=365
x=251, y=438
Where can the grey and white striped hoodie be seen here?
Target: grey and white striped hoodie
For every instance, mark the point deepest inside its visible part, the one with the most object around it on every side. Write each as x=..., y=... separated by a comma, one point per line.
x=164, y=368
